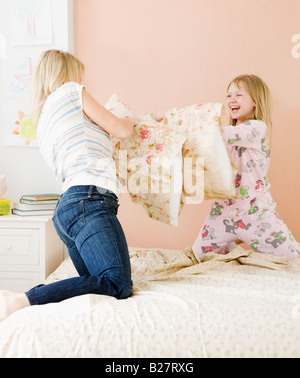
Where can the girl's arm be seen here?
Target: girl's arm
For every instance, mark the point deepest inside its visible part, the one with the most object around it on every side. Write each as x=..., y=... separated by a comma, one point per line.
x=248, y=134
x=118, y=127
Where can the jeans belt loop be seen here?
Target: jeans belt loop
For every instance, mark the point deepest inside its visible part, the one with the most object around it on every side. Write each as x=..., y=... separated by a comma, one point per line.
x=90, y=191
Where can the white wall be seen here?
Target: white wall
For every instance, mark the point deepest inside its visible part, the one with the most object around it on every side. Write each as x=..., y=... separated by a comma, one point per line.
x=24, y=169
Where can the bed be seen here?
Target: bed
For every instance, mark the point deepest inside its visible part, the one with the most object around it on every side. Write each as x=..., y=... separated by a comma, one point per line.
x=243, y=304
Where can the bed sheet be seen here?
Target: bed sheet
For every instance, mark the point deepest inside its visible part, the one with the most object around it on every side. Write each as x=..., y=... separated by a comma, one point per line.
x=243, y=304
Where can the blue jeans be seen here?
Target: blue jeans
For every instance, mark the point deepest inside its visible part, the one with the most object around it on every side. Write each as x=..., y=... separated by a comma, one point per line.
x=86, y=220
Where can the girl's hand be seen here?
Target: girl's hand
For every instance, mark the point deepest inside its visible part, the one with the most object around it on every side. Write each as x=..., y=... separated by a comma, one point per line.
x=158, y=117
x=225, y=116
x=136, y=120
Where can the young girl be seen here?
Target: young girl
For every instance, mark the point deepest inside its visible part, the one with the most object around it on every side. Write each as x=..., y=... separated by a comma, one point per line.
x=252, y=218
x=73, y=131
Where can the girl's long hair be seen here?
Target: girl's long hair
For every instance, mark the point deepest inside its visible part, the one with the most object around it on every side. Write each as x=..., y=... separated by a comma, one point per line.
x=261, y=95
x=53, y=69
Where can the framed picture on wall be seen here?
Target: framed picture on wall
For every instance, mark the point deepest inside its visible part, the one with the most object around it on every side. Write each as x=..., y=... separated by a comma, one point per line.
x=31, y=22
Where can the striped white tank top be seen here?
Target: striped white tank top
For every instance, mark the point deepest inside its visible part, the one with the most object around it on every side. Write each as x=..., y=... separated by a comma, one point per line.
x=76, y=149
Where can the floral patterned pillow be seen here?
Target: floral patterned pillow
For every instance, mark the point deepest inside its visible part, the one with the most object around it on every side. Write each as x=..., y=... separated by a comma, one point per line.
x=149, y=163
x=208, y=167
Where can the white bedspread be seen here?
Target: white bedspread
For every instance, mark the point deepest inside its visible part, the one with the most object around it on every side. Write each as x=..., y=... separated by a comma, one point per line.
x=243, y=304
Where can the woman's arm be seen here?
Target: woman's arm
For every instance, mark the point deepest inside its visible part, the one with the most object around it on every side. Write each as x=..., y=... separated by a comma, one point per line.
x=119, y=127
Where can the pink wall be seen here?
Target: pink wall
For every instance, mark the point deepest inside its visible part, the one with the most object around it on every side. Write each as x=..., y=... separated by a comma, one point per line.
x=157, y=54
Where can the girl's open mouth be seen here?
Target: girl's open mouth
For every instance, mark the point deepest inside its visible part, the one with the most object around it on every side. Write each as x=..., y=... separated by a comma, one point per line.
x=235, y=109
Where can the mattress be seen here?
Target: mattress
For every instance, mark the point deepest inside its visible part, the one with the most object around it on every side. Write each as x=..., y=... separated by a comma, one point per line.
x=243, y=304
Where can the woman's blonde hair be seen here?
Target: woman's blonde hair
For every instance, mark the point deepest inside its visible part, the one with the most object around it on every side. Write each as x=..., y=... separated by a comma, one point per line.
x=261, y=95
x=53, y=69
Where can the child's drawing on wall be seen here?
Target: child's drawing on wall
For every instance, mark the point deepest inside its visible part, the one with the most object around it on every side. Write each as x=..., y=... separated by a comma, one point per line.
x=25, y=128
x=17, y=78
x=19, y=129
x=31, y=22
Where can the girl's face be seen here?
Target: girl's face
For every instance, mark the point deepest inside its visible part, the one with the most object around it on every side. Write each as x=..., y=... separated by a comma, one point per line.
x=240, y=103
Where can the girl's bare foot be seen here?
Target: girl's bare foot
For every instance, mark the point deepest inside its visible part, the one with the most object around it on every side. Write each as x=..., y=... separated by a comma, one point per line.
x=11, y=302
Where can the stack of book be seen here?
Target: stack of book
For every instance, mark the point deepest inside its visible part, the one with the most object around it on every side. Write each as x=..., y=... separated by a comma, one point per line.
x=36, y=205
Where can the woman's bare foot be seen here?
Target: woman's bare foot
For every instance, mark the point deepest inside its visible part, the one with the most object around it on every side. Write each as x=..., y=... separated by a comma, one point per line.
x=11, y=302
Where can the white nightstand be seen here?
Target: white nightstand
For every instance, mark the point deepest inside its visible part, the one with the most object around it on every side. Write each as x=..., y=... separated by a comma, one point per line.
x=30, y=250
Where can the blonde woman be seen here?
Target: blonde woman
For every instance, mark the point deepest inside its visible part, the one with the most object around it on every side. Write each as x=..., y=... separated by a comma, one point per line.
x=74, y=135
x=252, y=218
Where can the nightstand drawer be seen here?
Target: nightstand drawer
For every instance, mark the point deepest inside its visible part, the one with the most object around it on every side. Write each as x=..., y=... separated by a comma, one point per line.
x=30, y=250
x=19, y=246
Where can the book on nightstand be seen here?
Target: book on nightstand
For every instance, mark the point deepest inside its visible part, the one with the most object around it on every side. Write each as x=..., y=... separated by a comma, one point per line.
x=36, y=205
x=35, y=213
x=40, y=197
